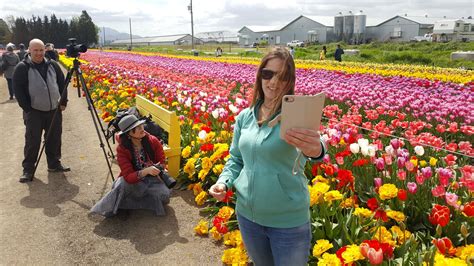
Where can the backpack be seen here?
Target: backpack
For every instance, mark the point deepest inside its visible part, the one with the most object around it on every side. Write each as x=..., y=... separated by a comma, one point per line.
x=3, y=64
x=150, y=126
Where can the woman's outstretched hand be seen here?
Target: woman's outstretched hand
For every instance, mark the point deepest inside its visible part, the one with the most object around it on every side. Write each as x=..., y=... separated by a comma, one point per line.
x=218, y=191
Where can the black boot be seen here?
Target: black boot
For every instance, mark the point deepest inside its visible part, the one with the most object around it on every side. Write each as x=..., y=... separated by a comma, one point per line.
x=26, y=177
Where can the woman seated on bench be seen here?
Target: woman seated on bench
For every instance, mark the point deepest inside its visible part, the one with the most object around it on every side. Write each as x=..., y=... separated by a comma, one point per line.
x=139, y=185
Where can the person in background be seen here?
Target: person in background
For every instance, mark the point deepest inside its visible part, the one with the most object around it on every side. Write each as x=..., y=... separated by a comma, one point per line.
x=272, y=202
x=22, y=52
x=139, y=185
x=51, y=53
x=39, y=84
x=338, y=53
x=8, y=61
x=322, y=54
x=218, y=52
x=292, y=52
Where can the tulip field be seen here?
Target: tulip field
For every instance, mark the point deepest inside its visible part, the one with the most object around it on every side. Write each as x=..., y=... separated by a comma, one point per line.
x=397, y=184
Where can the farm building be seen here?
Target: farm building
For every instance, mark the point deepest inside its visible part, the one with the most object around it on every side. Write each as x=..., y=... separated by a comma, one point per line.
x=302, y=28
x=400, y=29
x=180, y=39
x=218, y=37
x=454, y=30
x=351, y=28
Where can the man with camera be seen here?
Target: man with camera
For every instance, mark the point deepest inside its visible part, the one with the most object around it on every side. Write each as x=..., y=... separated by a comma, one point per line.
x=39, y=84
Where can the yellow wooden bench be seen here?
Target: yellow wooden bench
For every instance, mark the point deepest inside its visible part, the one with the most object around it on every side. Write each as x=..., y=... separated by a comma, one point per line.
x=168, y=121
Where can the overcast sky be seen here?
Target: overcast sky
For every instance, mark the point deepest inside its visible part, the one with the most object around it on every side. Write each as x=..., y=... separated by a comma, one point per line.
x=161, y=17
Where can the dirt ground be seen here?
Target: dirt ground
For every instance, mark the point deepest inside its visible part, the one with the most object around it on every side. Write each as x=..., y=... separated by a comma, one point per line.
x=47, y=221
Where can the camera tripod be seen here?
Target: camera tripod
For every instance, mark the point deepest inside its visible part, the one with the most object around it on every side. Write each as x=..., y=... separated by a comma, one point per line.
x=76, y=70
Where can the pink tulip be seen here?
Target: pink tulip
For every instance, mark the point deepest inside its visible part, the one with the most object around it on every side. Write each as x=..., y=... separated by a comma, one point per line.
x=420, y=179
x=402, y=175
x=401, y=162
x=375, y=256
x=412, y=187
x=426, y=171
x=379, y=164
x=378, y=182
x=452, y=199
x=395, y=143
x=438, y=191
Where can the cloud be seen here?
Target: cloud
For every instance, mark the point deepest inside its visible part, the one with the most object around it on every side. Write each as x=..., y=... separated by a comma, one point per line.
x=160, y=17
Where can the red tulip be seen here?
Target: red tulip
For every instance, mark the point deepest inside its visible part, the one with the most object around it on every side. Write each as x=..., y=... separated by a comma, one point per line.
x=402, y=194
x=372, y=204
x=468, y=209
x=444, y=246
x=439, y=215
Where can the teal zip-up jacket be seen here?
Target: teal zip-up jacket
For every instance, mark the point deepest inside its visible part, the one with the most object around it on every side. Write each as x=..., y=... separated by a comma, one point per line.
x=260, y=168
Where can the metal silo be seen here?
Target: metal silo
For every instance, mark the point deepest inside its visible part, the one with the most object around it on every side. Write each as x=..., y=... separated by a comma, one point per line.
x=338, y=26
x=360, y=20
x=348, y=27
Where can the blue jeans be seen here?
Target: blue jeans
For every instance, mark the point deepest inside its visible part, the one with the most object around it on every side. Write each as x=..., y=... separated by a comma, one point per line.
x=276, y=246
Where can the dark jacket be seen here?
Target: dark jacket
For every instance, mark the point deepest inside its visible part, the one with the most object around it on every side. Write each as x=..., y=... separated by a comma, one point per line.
x=21, y=54
x=20, y=81
x=51, y=54
x=337, y=55
x=124, y=159
x=9, y=60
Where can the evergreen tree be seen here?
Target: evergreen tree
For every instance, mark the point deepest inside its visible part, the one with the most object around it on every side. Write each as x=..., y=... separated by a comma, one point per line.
x=5, y=33
x=87, y=31
x=53, y=30
x=20, y=31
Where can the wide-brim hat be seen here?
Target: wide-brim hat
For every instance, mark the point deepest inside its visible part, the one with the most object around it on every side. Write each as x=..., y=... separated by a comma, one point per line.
x=128, y=123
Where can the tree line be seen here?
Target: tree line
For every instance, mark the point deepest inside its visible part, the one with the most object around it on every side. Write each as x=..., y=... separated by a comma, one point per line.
x=49, y=29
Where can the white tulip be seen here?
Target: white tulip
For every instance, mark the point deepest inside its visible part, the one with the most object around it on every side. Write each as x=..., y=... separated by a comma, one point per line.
x=363, y=142
x=188, y=102
x=215, y=113
x=371, y=150
x=419, y=150
x=364, y=150
x=233, y=109
x=202, y=134
x=355, y=148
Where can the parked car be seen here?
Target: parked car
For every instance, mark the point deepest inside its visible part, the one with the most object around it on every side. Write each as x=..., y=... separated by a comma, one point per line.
x=425, y=38
x=255, y=44
x=295, y=43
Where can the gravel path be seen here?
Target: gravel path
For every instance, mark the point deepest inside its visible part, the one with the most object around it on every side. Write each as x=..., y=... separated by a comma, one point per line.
x=47, y=221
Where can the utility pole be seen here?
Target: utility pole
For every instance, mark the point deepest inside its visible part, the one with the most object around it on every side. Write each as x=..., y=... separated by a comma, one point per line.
x=103, y=31
x=190, y=8
x=130, y=22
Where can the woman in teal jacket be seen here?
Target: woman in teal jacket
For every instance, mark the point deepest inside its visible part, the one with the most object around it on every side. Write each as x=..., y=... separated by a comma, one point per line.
x=272, y=202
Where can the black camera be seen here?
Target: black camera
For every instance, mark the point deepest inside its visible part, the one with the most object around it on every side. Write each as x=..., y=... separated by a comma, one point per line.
x=73, y=49
x=169, y=181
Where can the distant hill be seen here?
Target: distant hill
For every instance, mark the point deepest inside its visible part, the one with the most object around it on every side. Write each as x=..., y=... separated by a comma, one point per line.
x=112, y=35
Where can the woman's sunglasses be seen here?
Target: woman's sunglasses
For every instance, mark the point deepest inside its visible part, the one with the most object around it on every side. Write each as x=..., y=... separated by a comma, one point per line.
x=267, y=74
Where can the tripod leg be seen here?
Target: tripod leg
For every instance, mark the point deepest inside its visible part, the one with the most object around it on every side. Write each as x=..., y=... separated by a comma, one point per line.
x=64, y=93
x=95, y=119
x=78, y=85
x=91, y=105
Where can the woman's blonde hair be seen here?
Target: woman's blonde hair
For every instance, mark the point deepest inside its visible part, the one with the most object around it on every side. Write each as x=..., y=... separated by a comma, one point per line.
x=286, y=77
